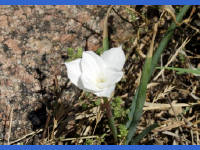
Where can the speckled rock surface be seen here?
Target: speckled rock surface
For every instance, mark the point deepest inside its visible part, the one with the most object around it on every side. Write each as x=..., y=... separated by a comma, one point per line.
x=33, y=43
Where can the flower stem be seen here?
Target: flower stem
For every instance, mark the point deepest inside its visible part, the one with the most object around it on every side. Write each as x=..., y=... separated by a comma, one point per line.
x=105, y=30
x=110, y=119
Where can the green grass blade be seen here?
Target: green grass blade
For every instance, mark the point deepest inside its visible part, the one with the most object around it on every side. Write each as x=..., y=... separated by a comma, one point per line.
x=132, y=110
x=182, y=70
x=140, y=97
x=138, y=101
x=139, y=137
x=149, y=66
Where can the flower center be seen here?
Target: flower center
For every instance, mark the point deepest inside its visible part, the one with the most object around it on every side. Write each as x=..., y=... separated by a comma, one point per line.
x=100, y=81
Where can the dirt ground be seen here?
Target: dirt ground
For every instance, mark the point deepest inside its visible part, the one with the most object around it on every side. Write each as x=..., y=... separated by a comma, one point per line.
x=38, y=104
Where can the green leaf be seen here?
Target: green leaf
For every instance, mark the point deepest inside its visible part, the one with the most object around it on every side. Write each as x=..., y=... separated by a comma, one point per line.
x=98, y=102
x=99, y=51
x=79, y=53
x=123, y=131
x=70, y=52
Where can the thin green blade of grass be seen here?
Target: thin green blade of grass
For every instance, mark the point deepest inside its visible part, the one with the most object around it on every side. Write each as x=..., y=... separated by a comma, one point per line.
x=139, y=137
x=149, y=66
x=138, y=102
x=132, y=110
x=182, y=70
x=141, y=92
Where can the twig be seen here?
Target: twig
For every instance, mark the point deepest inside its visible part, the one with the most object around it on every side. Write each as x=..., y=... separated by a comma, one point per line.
x=150, y=52
x=171, y=134
x=164, y=93
x=172, y=107
x=172, y=58
x=10, y=125
x=158, y=106
x=46, y=124
x=25, y=136
x=98, y=118
x=71, y=139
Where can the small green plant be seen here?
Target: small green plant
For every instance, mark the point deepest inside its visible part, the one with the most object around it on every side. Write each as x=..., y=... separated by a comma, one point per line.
x=123, y=132
x=89, y=142
x=98, y=102
x=100, y=51
x=97, y=141
x=79, y=52
x=70, y=52
x=101, y=139
x=182, y=58
x=73, y=54
x=84, y=106
x=132, y=15
x=118, y=110
x=120, y=114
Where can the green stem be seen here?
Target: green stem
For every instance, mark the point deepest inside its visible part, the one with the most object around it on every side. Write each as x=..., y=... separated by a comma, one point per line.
x=106, y=101
x=110, y=119
x=105, y=30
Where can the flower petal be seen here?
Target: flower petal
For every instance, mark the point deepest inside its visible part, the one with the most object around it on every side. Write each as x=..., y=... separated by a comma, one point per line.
x=92, y=65
x=114, y=58
x=111, y=77
x=74, y=71
x=107, y=92
x=89, y=84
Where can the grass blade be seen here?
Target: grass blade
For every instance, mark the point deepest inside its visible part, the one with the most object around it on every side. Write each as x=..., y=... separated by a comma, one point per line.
x=140, y=97
x=138, y=101
x=139, y=137
x=182, y=70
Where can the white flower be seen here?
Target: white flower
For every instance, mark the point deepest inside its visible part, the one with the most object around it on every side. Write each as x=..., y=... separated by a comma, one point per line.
x=97, y=74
